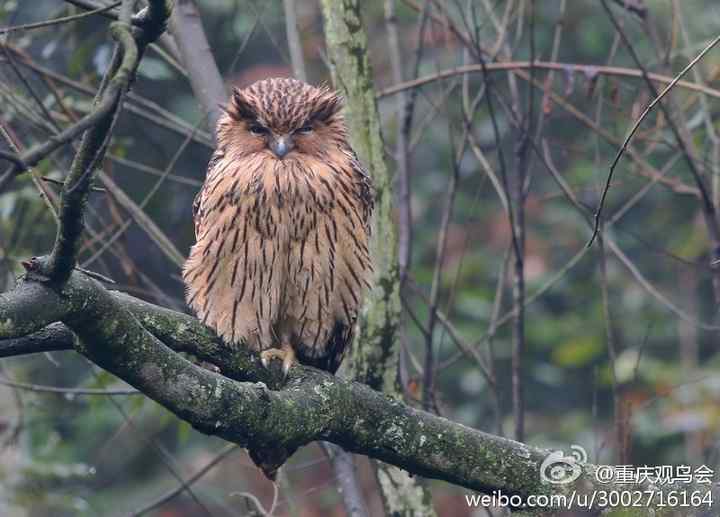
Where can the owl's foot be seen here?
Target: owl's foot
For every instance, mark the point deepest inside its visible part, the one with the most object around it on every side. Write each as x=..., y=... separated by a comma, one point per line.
x=285, y=353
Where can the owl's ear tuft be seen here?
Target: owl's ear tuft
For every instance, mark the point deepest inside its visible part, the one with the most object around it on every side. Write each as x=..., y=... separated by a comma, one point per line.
x=326, y=108
x=240, y=108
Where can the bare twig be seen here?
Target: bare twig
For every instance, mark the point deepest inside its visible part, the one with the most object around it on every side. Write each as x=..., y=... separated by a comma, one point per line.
x=633, y=6
x=508, y=66
x=219, y=458
x=653, y=291
x=138, y=106
x=144, y=221
x=522, y=182
x=636, y=125
x=35, y=154
x=58, y=21
x=440, y=252
x=39, y=388
x=612, y=350
x=139, y=214
x=163, y=454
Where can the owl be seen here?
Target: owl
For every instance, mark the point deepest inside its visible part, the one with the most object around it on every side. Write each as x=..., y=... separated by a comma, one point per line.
x=282, y=223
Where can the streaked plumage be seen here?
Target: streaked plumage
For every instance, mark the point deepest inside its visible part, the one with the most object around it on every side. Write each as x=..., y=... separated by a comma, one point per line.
x=282, y=225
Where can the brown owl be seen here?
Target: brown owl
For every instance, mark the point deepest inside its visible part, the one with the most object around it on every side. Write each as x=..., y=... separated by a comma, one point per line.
x=282, y=223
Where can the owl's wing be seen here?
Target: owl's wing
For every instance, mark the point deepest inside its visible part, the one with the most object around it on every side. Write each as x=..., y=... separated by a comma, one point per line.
x=330, y=355
x=197, y=211
x=366, y=191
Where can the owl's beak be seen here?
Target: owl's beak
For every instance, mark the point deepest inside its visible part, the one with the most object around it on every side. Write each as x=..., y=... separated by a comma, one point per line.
x=281, y=145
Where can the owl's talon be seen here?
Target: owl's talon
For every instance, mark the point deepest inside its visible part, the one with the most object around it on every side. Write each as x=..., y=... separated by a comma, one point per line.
x=267, y=355
x=288, y=361
x=286, y=354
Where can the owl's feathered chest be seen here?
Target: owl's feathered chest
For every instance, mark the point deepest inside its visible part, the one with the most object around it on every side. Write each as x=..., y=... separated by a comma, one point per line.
x=279, y=198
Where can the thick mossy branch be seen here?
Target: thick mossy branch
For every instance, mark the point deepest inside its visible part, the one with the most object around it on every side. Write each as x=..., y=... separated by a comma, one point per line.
x=19, y=318
x=125, y=336
x=312, y=405
x=53, y=338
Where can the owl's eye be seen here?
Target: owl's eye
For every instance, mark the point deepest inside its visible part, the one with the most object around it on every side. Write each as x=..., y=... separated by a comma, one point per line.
x=304, y=130
x=258, y=130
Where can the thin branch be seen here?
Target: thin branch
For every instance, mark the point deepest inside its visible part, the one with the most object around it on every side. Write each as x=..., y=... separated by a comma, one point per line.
x=219, y=458
x=612, y=352
x=652, y=290
x=35, y=154
x=39, y=388
x=508, y=66
x=440, y=252
x=167, y=460
x=143, y=220
x=59, y=21
x=636, y=125
x=192, y=43
x=137, y=105
x=645, y=168
x=522, y=183
x=258, y=505
x=91, y=5
x=14, y=158
x=75, y=191
x=468, y=349
x=633, y=6
x=508, y=316
x=139, y=213
x=346, y=479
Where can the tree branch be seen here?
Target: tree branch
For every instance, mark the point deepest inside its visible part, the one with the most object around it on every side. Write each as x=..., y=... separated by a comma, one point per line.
x=293, y=39
x=205, y=79
x=58, y=21
x=589, y=71
x=97, y=128
x=76, y=188
x=124, y=336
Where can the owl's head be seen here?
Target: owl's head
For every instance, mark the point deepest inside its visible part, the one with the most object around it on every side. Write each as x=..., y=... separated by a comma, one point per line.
x=284, y=117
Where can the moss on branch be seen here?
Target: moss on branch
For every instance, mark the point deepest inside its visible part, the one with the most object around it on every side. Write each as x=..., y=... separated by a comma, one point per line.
x=125, y=336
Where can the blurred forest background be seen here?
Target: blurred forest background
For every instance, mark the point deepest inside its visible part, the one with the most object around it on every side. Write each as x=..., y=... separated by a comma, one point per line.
x=619, y=343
